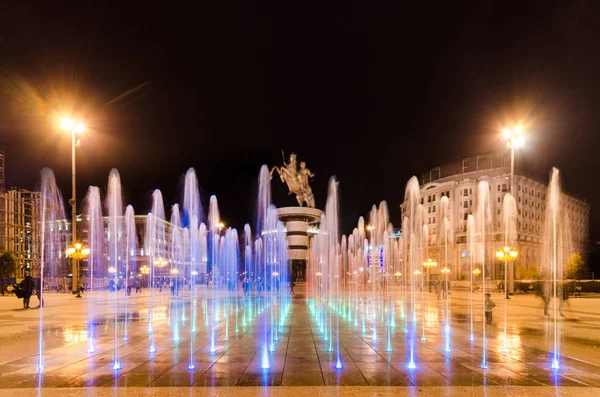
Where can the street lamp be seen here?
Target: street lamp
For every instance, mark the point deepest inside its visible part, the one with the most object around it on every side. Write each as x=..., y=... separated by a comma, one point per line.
x=77, y=252
x=506, y=254
x=74, y=127
x=428, y=265
x=476, y=272
x=112, y=270
x=514, y=139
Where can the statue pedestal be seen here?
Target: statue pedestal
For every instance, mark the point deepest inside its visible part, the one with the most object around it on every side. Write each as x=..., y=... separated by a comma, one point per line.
x=301, y=223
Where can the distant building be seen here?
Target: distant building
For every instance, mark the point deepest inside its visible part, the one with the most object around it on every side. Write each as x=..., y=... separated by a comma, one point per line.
x=458, y=181
x=19, y=219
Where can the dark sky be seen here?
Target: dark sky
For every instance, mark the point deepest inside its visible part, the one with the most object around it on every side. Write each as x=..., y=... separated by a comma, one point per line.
x=368, y=92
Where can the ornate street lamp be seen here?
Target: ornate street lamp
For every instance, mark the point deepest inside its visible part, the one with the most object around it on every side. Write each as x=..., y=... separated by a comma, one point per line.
x=506, y=254
x=77, y=252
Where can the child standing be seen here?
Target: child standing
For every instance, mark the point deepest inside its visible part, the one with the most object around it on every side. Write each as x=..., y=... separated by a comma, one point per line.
x=489, y=306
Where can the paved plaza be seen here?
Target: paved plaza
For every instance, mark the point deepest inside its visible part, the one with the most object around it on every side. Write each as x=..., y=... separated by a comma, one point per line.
x=301, y=357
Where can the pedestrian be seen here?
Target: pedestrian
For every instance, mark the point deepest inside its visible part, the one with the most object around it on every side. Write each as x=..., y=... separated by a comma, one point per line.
x=438, y=289
x=489, y=306
x=292, y=285
x=27, y=286
x=38, y=291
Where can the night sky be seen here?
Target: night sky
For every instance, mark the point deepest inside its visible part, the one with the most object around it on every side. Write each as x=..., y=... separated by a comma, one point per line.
x=370, y=93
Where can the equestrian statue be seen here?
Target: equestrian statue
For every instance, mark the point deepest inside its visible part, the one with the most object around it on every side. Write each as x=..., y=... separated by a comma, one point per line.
x=296, y=180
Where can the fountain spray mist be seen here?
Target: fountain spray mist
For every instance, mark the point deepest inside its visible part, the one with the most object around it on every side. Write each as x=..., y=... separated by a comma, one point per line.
x=51, y=212
x=114, y=207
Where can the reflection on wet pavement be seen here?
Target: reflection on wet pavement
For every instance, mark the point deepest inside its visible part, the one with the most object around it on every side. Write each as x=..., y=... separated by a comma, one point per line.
x=301, y=357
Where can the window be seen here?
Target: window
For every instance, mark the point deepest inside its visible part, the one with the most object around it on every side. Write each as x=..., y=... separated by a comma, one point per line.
x=448, y=193
x=519, y=187
x=498, y=212
x=429, y=210
x=465, y=192
x=470, y=191
x=470, y=202
x=498, y=187
x=433, y=197
x=433, y=220
x=504, y=188
x=466, y=204
x=433, y=209
x=429, y=199
x=498, y=199
x=525, y=190
x=519, y=199
x=465, y=216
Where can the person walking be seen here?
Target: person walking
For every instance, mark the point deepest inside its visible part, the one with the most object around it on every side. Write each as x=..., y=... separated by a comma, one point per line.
x=27, y=286
x=292, y=285
x=489, y=306
x=38, y=291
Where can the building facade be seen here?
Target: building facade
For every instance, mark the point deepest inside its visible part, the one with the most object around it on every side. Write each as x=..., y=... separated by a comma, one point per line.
x=459, y=182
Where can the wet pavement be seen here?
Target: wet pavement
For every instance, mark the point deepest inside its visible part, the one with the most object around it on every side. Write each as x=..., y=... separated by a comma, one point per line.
x=301, y=356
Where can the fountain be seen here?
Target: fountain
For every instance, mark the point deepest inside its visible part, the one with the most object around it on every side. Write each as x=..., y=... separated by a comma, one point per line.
x=93, y=210
x=556, y=250
x=51, y=213
x=114, y=207
x=483, y=224
x=130, y=254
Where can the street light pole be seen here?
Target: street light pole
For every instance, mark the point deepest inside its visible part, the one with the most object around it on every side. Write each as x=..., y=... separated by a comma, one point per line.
x=73, y=203
x=514, y=139
x=74, y=127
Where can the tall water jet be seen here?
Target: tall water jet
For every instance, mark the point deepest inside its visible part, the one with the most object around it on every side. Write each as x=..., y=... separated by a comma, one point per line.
x=130, y=255
x=412, y=202
x=447, y=240
x=264, y=198
x=93, y=210
x=195, y=245
x=155, y=245
x=471, y=248
x=114, y=207
x=51, y=211
x=192, y=205
x=557, y=247
x=483, y=224
x=176, y=257
x=214, y=224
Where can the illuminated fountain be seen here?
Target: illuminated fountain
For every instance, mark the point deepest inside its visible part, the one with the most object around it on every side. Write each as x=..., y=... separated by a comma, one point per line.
x=483, y=225
x=556, y=250
x=114, y=206
x=93, y=211
x=51, y=213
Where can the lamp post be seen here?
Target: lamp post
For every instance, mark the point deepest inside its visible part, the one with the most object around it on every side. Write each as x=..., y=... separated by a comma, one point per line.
x=77, y=252
x=74, y=127
x=514, y=139
x=506, y=254
x=428, y=265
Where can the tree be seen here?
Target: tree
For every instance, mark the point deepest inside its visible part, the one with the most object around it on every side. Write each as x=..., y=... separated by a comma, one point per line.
x=531, y=272
x=8, y=266
x=575, y=267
